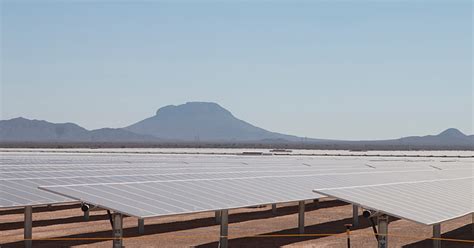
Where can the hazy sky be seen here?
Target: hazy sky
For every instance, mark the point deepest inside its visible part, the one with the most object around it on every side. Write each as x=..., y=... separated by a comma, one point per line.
x=323, y=69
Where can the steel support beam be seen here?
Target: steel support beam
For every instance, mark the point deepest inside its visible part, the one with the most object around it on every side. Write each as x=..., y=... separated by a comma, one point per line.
x=223, y=241
x=141, y=226
x=28, y=228
x=274, y=208
x=382, y=225
x=217, y=215
x=301, y=208
x=436, y=235
x=355, y=215
x=117, y=230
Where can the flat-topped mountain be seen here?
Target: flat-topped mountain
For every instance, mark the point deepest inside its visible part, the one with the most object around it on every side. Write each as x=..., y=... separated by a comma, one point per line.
x=201, y=121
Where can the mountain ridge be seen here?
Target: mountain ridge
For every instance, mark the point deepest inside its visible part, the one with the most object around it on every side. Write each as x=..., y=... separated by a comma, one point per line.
x=201, y=122
x=25, y=130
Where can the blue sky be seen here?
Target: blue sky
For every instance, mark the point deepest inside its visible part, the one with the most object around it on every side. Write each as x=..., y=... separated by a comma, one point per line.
x=323, y=69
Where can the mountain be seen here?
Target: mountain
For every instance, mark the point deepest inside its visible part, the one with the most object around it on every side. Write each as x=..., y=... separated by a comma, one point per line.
x=21, y=129
x=202, y=121
x=208, y=123
x=25, y=130
x=449, y=137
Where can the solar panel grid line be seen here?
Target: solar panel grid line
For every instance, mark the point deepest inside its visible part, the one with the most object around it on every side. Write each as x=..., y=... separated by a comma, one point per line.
x=190, y=164
x=249, y=191
x=195, y=179
x=150, y=174
x=6, y=202
x=99, y=202
x=164, y=165
x=237, y=205
x=386, y=212
x=24, y=192
x=395, y=203
x=130, y=213
x=446, y=206
x=144, y=199
x=225, y=199
x=288, y=185
x=177, y=195
x=169, y=168
x=171, y=165
x=208, y=195
x=12, y=196
x=115, y=198
x=69, y=168
x=264, y=193
x=217, y=193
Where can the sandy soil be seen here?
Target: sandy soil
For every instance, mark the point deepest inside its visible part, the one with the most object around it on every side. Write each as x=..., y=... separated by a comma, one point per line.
x=200, y=230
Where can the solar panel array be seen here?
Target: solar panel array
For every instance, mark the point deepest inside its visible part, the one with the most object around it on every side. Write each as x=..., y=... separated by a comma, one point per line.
x=146, y=185
x=22, y=173
x=215, y=151
x=159, y=198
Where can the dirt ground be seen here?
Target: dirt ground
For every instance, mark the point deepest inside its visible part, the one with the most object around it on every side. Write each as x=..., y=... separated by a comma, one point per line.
x=66, y=223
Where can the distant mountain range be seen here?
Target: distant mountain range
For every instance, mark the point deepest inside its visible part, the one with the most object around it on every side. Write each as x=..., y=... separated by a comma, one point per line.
x=200, y=122
x=25, y=130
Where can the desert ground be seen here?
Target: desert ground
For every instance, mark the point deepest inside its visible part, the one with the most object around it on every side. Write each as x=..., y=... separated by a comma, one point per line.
x=248, y=227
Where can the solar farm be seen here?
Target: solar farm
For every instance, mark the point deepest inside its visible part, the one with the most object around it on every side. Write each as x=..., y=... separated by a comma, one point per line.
x=426, y=188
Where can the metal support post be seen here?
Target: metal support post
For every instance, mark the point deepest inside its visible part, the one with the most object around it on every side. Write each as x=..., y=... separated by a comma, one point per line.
x=223, y=242
x=436, y=236
x=382, y=225
x=117, y=230
x=274, y=208
x=348, y=233
x=355, y=215
x=86, y=215
x=301, y=208
x=28, y=228
x=218, y=216
x=141, y=226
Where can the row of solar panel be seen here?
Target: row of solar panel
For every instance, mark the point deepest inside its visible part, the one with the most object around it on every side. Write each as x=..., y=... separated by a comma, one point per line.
x=171, y=180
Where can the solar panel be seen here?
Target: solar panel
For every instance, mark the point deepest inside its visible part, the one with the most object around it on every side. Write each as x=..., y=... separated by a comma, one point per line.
x=22, y=173
x=428, y=202
x=147, y=199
